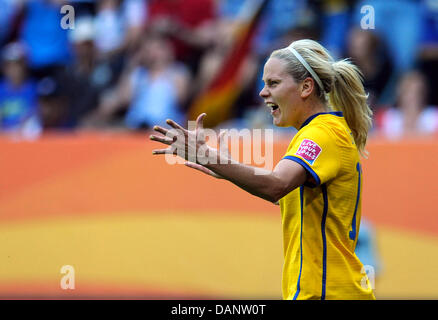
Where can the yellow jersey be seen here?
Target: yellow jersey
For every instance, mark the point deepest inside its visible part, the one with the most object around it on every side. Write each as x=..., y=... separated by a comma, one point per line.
x=321, y=218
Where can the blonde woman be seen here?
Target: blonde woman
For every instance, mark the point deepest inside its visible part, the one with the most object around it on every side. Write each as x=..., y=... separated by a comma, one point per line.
x=318, y=181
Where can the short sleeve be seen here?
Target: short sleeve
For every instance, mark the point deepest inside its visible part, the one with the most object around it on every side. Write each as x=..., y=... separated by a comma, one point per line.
x=316, y=150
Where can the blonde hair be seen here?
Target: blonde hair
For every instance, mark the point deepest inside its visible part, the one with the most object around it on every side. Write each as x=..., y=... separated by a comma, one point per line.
x=341, y=81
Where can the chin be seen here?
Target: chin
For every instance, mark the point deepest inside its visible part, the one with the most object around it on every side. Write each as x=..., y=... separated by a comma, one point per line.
x=281, y=124
x=278, y=123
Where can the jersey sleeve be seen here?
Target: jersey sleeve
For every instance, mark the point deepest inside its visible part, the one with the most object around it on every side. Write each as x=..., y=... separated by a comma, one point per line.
x=316, y=150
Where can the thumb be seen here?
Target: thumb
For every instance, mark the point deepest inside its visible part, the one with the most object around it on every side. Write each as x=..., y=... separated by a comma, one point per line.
x=200, y=121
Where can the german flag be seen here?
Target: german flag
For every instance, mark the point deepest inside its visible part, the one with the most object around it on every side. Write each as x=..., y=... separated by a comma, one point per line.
x=218, y=99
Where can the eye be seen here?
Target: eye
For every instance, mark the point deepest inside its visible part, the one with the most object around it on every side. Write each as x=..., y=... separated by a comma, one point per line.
x=272, y=83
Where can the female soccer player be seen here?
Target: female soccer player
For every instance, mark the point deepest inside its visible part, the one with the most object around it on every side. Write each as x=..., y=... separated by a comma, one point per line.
x=318, y=181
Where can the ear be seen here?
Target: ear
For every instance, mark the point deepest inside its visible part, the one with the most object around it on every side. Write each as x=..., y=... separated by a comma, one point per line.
x=307, y=87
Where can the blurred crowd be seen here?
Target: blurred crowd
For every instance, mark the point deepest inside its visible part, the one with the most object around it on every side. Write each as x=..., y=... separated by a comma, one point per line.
x=127, y=65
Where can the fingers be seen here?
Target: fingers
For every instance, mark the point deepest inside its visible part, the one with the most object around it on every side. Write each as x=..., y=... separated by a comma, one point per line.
x=160, y=151
x=164, y=140
x=178, y=134
x=192, y=165
x=175, y=125
x=198, y=167
x=170, y=135
x=202, y=169
x=163, y=151
x=161, y=130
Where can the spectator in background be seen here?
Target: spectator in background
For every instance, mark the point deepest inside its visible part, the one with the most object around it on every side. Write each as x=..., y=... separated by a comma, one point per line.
x=82, y=80
x=277, y=19
x=411, y=116
x=188, y=23
x=83, y=8
x=369, y=53
x=18, y=96
x=53, y=103
x=428, y=50
x=109, y=28
x=398, y=23
x=47, y=42
x=135, y=15
x=336, y=23
x=118, y=24
x=117, y=31
x=9, y=9
x=109, y=40
x=152, y=91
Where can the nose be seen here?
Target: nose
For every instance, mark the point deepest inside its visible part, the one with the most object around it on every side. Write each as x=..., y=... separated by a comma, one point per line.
x=264, y=93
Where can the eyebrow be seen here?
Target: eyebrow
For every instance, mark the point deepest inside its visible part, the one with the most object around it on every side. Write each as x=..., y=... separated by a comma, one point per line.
x=271, y=79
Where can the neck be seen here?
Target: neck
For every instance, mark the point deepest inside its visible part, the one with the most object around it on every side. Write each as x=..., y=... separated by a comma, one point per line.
x=311, y=107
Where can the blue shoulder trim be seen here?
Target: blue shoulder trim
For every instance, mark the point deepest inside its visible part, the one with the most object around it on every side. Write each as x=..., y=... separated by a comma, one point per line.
x=308, y=168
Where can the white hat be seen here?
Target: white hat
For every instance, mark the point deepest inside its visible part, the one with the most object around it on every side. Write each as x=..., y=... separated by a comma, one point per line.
x=13, y=52
x=83, y=30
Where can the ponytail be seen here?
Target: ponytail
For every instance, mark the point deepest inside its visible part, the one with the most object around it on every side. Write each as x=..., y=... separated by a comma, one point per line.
x=348, y=95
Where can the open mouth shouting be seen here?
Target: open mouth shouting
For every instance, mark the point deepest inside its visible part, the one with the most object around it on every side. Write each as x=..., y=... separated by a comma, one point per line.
x=274, y=107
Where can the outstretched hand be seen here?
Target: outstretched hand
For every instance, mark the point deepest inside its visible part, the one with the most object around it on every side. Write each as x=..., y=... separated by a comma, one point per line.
x=178, y=139
x=187, y=144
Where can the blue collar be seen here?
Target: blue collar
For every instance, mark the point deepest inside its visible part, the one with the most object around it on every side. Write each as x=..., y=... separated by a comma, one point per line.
x=335, y=113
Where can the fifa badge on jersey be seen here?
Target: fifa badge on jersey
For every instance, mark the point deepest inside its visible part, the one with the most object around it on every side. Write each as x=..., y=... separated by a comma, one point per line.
x=309, y=150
